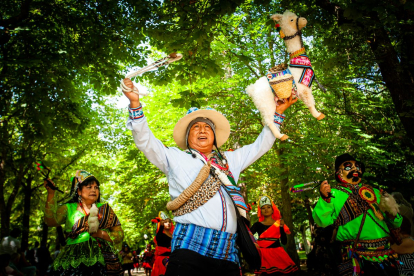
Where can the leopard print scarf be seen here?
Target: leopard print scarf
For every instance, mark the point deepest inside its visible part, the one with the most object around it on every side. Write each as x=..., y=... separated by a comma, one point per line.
x=207, y=190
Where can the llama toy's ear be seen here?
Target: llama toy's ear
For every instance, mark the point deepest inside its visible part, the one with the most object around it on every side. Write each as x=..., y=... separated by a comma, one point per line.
x=277, y=17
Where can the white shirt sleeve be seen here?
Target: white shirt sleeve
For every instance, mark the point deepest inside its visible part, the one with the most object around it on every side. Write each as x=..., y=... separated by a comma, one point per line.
x=146, y=142
x=241, y=158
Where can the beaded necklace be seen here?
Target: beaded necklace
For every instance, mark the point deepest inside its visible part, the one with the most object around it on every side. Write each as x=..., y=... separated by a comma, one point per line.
x=297, y=53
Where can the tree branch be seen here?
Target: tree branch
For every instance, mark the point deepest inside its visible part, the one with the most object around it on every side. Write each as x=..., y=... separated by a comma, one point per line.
x=11, y=22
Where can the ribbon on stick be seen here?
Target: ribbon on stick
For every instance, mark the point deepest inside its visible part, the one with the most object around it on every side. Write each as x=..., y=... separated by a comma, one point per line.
x=42, y=166
x=153, y=66
x=301, y=187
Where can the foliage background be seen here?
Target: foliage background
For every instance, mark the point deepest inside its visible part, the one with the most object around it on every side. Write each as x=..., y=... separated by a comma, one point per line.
x=61, y=63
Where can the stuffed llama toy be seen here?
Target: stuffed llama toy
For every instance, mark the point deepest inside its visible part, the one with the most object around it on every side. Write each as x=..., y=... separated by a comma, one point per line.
x=93, y=220
x=299, y=71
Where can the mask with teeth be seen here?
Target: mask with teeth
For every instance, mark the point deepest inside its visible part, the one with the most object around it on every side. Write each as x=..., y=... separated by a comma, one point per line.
x=350, y=172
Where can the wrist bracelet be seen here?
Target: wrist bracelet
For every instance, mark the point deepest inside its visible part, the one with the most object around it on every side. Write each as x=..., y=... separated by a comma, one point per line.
x=279, y=118
x=135, y=113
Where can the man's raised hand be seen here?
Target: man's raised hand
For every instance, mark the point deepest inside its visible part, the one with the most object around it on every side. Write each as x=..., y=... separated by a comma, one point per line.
x=282, y=106
x=325, y=188
x=133, y=97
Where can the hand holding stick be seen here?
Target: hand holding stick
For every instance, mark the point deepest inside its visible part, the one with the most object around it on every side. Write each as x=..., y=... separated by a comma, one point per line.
x=47, y=182
x=325, y=189
x=132, y=97
x=50, y=186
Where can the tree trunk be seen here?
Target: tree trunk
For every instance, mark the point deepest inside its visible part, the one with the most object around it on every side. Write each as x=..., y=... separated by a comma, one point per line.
x=396, y=67
x=57, y=241
x=43, y=242
x=396, y=76
x=6, y=208
x=304, y=240
x=309, y=211
x=310, y=217
x=5, y=222
x=287, y=211
x=27, y=189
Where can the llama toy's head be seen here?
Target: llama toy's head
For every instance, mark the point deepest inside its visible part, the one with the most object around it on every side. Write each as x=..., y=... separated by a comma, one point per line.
x=289, y=22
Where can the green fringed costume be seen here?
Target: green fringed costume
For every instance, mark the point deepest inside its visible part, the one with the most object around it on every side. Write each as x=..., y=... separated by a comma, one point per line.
x=326, y=214
x=362, y=230
x=84, y=254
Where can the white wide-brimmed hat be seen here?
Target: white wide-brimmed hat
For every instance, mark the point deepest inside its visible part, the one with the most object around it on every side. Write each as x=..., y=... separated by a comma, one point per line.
x=222, y=126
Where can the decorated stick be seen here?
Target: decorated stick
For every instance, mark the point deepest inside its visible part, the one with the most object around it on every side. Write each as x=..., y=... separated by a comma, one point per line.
x=155, y=65
x=41, y=165
x=293, y=190
x=297, y=188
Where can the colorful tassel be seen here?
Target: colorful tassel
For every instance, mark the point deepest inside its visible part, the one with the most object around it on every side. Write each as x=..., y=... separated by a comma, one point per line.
x=278, y=28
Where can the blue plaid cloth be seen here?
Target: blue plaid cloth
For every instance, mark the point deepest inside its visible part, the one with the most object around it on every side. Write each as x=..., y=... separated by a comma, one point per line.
x=205, y=241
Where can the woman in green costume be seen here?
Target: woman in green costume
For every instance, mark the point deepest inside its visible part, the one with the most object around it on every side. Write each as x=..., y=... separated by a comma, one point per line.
x=362, y=229
x=92, y=230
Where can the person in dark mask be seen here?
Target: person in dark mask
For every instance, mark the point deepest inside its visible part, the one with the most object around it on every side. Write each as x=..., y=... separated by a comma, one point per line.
x=361, y=228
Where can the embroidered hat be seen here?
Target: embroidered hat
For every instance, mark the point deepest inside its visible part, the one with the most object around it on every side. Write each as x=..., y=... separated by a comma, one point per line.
x=264, y=201
x=221, y=125
x=162, y=215
x=79, y=178
x=346, y=157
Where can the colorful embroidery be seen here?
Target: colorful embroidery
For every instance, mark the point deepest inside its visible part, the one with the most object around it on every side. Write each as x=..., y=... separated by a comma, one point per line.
x=303, y=61
x=378, y=252
x=352, y=208
x=357, y=203
x=224, y=210
x=273, y=269
x=107, y=219
x=307, y=77
x=367, y=194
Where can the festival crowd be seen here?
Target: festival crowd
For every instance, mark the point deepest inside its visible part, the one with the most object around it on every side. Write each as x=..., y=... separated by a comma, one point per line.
x=358, y=230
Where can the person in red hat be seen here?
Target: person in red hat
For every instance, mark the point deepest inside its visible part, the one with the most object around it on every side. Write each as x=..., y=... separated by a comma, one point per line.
x=272, y=233
x=162, y=239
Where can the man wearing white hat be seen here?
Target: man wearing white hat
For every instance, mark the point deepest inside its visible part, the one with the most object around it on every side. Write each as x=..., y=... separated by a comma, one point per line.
x=201, y=180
